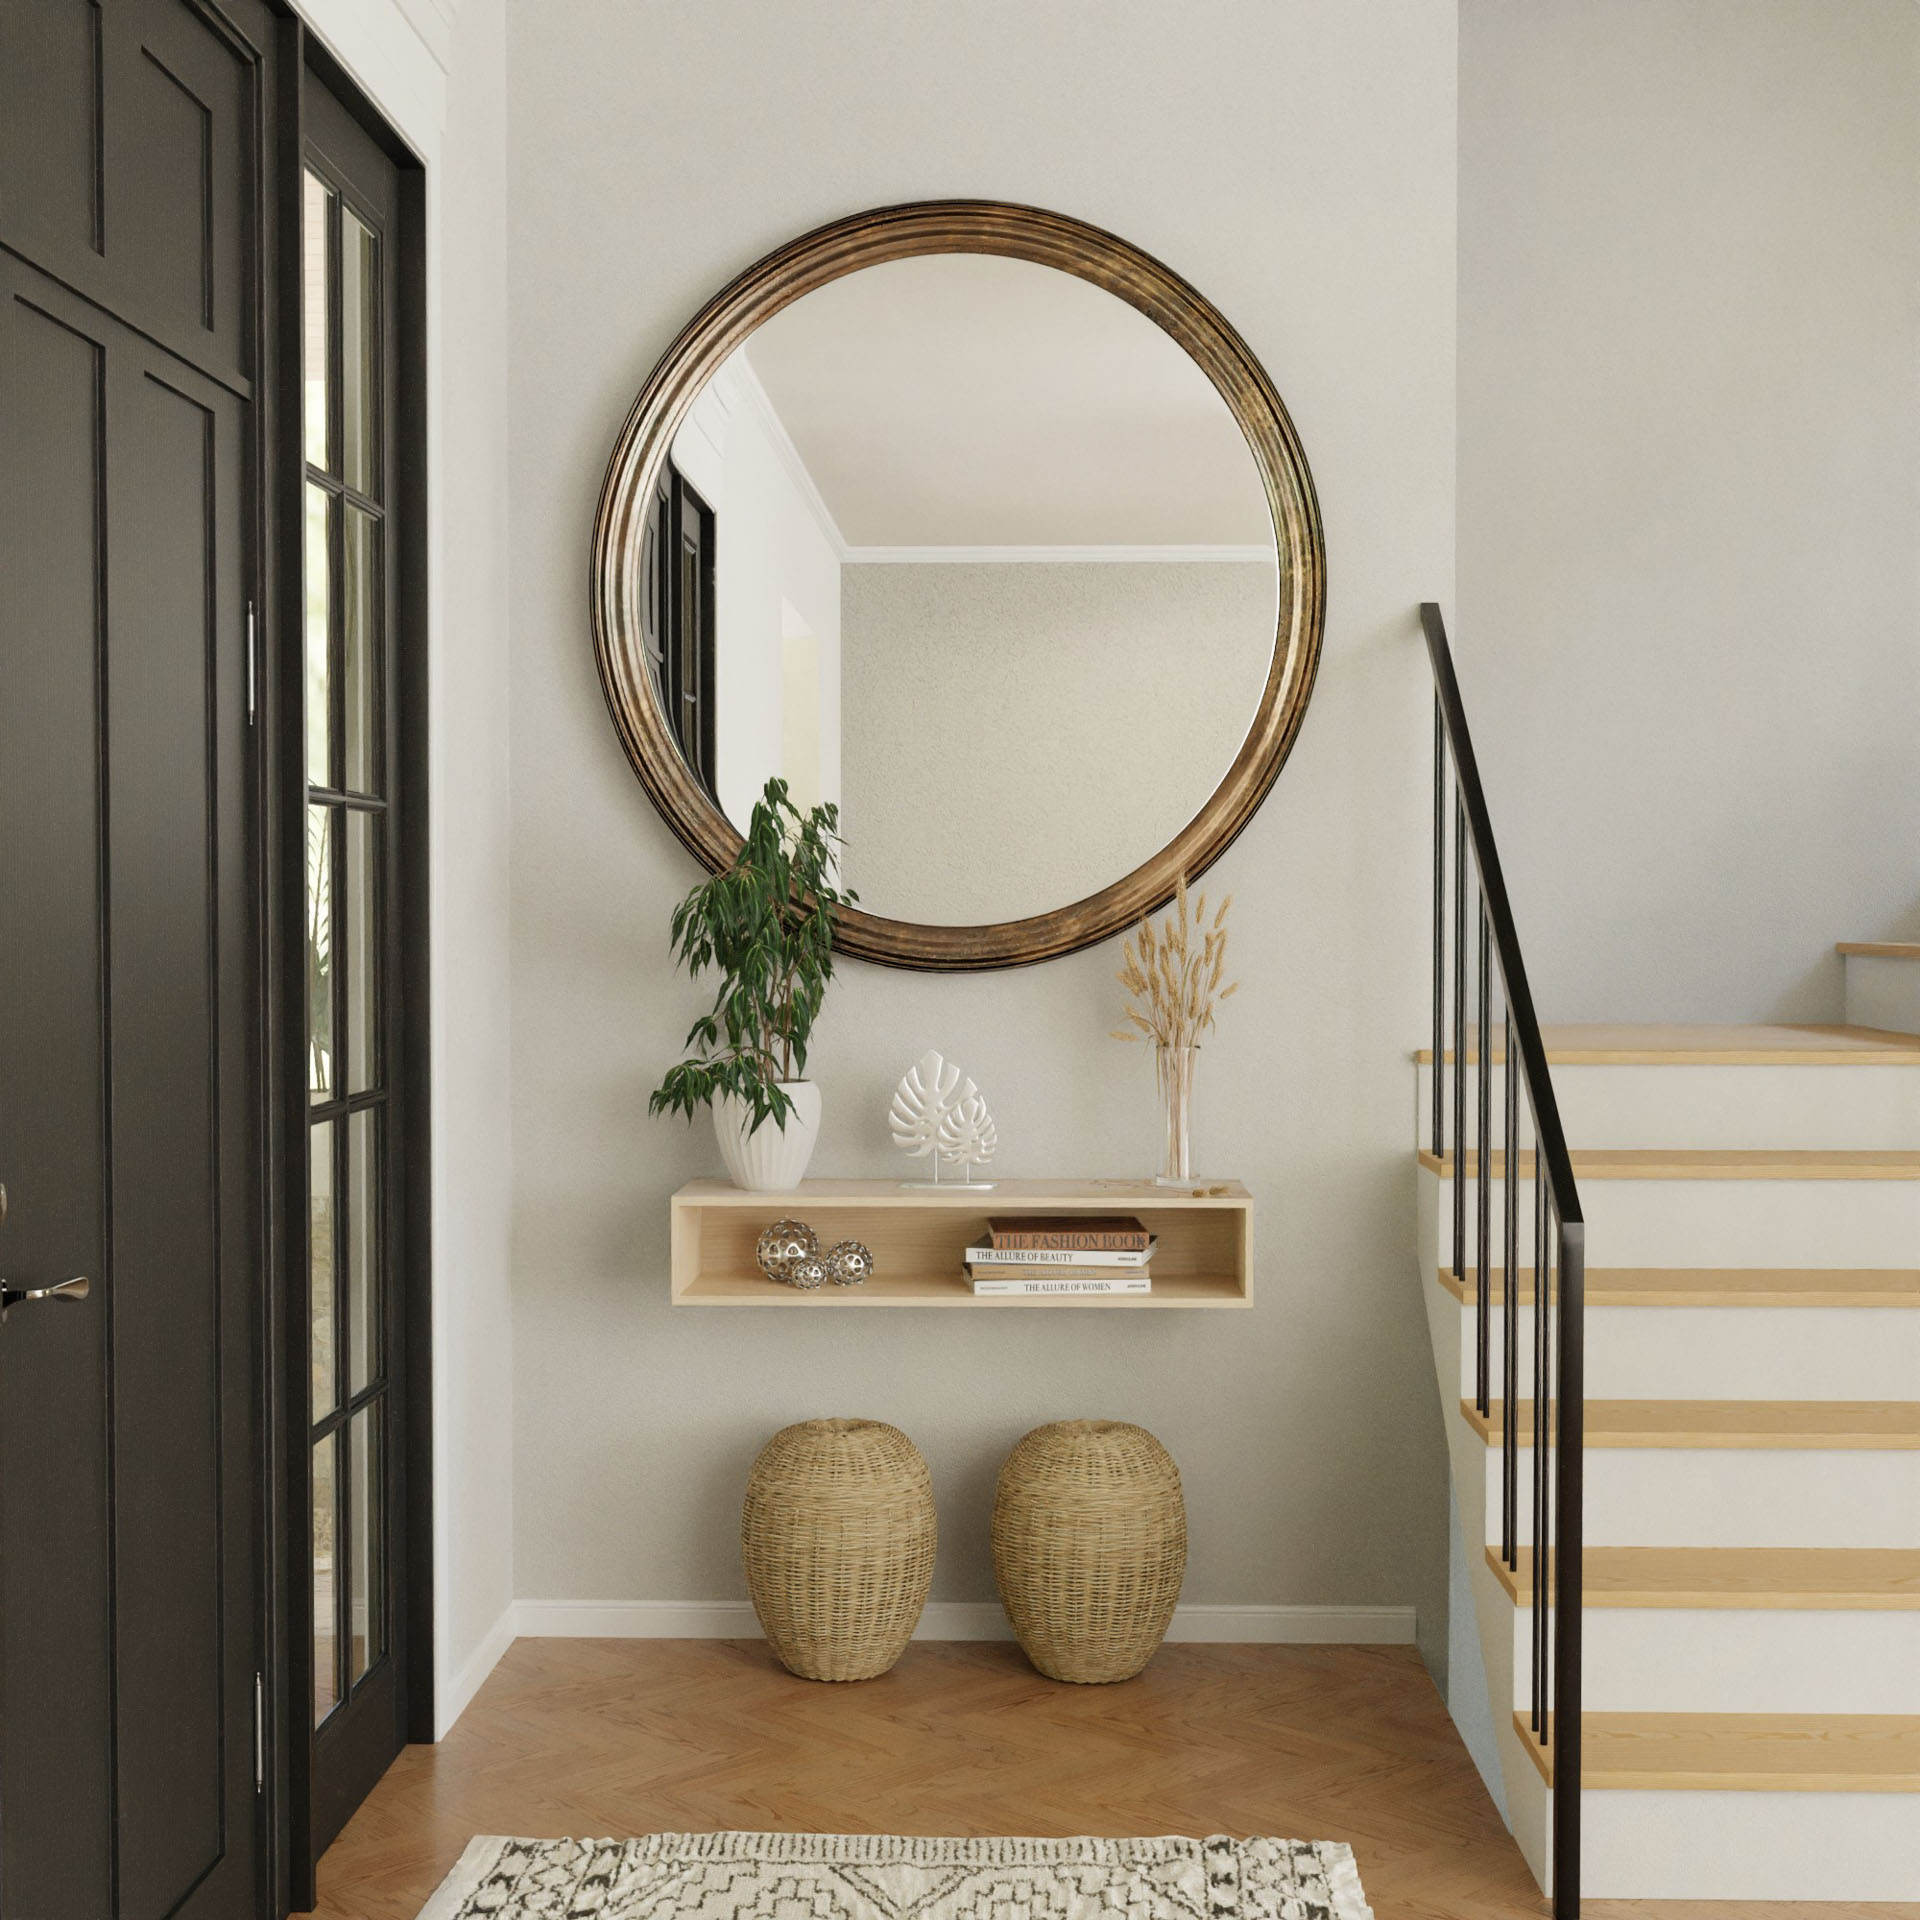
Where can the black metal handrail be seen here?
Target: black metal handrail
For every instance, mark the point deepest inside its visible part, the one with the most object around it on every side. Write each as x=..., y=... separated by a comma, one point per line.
x=1559, y=1244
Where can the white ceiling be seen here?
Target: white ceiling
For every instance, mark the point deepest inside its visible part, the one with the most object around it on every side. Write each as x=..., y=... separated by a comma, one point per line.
x=967, y=400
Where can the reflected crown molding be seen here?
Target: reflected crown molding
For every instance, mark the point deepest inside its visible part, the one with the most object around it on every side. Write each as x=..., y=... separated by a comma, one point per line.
x=747, y=395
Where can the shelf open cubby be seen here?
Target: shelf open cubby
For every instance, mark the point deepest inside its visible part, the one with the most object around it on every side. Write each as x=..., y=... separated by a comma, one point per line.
x=918, y=1236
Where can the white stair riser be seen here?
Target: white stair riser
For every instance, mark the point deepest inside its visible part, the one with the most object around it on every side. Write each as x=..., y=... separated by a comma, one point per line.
x=1719, y=1223
x=1749, y=1846
x=1679, y=1107
x=1739, y=1660
x=1883, y=992
x=1725, y=1353
x=1734, y=1497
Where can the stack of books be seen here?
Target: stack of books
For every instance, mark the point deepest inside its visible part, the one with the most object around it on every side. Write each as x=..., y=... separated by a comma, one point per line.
x=1062, y=1253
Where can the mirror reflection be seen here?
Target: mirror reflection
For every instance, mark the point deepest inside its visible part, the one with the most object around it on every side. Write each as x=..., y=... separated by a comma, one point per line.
x=970, y=547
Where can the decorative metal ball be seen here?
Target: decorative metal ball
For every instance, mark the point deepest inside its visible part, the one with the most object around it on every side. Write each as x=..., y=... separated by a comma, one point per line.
x=783, y=1246
x=848, y=1265
x=806, y=1274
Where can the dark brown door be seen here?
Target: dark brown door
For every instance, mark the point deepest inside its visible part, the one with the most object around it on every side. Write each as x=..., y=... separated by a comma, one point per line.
x=351, y=1463
x=130, y=1613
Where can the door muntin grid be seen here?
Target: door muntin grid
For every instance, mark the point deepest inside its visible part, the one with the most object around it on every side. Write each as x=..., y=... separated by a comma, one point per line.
x=349, y=1235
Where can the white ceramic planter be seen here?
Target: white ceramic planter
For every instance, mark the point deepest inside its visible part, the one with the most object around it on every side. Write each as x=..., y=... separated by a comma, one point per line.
x=773, y=1159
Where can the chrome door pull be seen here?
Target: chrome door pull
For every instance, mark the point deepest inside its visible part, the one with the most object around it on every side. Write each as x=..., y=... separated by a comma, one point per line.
x=11, y=1297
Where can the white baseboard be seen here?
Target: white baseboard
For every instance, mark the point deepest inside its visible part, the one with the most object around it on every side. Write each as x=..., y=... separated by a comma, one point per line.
x=1294, y=1626
x=961, y=1620
x=452, y=1695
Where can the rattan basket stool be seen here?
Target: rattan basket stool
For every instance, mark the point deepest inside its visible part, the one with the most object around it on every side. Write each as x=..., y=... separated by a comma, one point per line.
x=838, y=1536
x=1089, y=1547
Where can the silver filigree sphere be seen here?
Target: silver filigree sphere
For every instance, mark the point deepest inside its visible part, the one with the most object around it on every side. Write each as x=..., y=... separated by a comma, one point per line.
x=783, y=1246
x=848, y=1265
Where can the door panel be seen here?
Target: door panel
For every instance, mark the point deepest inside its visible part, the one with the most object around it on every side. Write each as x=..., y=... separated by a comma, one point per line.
x=51, y=162
x=128, y=1632
x=54, y=1683
x=129, y=158
x=170, y=457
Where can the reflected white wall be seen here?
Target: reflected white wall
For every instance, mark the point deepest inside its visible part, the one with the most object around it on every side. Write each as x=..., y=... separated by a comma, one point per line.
x=776, y=582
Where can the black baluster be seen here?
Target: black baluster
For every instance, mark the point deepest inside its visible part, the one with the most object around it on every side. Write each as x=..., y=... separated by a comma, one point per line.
x=1569, y=1583
x=1510, y=1331
x=1439, y=926
x=1543, y=1454
x=1542, y=1306
x=1483, y=1181
x=1459, y=1036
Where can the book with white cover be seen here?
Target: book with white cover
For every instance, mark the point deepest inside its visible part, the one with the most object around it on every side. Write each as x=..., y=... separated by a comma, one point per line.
x=1109, y=1284
x=1057, y=1256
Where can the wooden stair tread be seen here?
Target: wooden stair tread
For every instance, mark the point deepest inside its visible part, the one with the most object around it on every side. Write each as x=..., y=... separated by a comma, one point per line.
x=1674, y=1046
x=1880, y=949
x=1811, y=1579
x=1743, y=1752
x=1794, y=1424
x=1704, y=1163
x=1718, y=1286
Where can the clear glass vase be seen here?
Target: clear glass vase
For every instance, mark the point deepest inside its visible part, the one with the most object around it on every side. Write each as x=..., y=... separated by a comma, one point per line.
x=1173, y=1069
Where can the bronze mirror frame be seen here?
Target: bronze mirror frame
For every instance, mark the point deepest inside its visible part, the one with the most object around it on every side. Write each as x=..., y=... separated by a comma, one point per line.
x=1050, y=240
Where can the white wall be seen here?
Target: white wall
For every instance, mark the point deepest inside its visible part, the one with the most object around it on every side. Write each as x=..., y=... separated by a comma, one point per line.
x=442, y=85
x=1106, y=698
x=1687, y=623
x=1296, y=161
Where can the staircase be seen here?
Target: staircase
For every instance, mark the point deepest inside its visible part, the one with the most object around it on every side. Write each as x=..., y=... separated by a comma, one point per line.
x=1750, y=1634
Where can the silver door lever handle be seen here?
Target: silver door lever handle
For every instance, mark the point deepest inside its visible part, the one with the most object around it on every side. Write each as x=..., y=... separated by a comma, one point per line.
x=11, y=1297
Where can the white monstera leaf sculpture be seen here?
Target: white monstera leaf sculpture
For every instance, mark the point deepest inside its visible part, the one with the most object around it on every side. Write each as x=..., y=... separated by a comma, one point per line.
x=968, y=1135
x=921, y=1101
x=937, y=1113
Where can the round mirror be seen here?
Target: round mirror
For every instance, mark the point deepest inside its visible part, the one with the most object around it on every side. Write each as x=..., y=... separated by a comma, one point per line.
x=983, y=526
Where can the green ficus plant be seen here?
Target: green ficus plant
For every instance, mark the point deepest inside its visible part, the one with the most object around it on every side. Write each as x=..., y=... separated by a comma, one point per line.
x=766, y=925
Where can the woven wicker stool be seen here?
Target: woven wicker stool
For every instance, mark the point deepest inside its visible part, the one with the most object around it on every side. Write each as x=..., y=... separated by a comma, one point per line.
x=1089, y=1547
x=838, y=1535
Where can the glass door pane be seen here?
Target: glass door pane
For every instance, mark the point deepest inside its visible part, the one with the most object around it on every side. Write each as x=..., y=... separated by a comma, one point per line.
x=319, y=565
x=362, y=944
x=326, y=1632
x=366, y=1610
x=316, y=318
x=320, y=1028
x=359, y=354
x=320, y=1269
x=360, y=656
x=363, y=1268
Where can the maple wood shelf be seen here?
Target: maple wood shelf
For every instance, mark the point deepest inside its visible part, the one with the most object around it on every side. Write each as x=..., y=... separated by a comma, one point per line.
x=918, y=1238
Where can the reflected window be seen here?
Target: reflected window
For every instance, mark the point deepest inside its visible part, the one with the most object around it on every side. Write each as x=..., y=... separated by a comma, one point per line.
x=678, y=621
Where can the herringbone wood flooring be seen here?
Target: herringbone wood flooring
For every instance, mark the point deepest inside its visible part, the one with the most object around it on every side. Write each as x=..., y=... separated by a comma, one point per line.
x=619, y=1737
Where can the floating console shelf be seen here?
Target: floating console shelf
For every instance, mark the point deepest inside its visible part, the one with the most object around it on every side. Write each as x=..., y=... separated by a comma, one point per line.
x=918, y=1239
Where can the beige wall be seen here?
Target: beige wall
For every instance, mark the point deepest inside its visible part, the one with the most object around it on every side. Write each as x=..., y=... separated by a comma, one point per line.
x=1689, y=632
x=1107, y=699
x=1296, y=161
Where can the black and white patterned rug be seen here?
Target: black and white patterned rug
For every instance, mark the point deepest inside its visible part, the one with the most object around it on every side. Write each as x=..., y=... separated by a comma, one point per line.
x=806, y=1876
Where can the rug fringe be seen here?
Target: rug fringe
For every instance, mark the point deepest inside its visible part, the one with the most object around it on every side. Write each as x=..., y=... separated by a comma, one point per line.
x=469, y=1871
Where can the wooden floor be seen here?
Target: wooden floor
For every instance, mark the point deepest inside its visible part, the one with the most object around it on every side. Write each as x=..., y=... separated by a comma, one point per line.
x=597, y=1737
